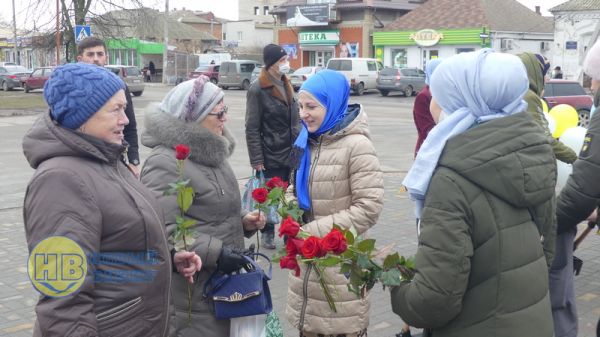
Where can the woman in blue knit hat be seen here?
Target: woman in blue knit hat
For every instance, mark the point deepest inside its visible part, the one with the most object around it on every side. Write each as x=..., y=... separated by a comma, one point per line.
x=99, y=256
x=338, y=180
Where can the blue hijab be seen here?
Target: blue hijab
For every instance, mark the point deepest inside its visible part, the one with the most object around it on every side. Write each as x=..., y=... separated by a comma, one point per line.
x=331, y=89
x=430, y=67
x=471, y=88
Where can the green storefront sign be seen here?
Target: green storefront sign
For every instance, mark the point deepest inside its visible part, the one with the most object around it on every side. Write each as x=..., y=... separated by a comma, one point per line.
x=125, y=45
x=447, y=37
x=329, y=37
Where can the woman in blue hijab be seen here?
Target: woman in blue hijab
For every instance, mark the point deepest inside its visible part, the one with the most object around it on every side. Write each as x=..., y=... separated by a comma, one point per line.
x=338, y=180
x=484, y=184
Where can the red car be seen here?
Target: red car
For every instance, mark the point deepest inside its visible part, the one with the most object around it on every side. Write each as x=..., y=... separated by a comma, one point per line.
x=37, y=79
x=211, y=71
x=571, y=93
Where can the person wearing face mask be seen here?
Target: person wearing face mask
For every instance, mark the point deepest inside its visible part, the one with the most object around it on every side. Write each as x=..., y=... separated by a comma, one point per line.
x=484, y=184
x=337, y=180
x=272, y=122
x=194, y=114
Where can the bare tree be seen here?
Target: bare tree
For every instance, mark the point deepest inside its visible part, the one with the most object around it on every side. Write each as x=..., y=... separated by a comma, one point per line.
x=75, y=12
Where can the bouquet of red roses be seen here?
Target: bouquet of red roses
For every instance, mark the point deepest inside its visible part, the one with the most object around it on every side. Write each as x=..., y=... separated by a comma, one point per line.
x=356, y=257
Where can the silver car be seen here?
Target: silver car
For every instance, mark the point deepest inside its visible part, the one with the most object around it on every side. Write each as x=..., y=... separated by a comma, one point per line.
x=132, y=76
x=406, y=80
x=301, y=75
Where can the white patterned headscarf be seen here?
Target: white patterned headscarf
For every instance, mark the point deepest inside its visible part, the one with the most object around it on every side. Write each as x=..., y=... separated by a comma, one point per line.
x=192, y=100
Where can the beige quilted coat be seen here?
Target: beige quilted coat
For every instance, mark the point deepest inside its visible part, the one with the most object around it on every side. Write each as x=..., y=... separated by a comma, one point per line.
x=346, y=188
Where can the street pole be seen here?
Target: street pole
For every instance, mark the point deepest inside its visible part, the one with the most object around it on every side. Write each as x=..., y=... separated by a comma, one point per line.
x=57, y=46
x=166, y=46
x=17, y=60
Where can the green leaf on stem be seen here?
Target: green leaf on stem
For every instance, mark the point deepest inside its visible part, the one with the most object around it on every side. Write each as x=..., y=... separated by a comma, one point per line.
x=187, y=224
x=185, y=197
x=330, y=261
x=391, y=261
x=363, y=261
x=349, y=237
x=391, y=277
x=367, y=245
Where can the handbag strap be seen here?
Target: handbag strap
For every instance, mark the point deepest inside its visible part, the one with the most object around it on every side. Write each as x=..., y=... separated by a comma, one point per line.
x=225, y=277
x=251, y=261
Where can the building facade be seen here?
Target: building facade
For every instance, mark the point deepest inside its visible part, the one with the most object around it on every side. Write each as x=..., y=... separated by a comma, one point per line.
x=576, y=28
x=442, y=28
x=314, y=31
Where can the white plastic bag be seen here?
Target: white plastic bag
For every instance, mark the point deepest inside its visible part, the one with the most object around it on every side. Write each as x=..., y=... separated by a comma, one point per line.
x=249, y=326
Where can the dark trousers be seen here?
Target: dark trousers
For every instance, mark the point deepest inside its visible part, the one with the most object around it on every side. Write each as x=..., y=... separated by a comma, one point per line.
x=284, y=174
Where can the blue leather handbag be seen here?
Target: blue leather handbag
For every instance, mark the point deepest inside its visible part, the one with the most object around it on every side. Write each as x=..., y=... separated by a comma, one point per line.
x=241, y=294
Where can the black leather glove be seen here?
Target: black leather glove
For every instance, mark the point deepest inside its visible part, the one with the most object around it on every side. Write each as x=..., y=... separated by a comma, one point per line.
x=230, y=260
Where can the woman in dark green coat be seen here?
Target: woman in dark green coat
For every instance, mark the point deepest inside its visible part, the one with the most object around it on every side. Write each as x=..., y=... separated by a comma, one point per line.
x=484, y=186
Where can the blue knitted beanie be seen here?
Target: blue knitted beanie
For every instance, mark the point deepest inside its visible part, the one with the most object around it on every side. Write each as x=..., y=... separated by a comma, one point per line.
x=76, y=91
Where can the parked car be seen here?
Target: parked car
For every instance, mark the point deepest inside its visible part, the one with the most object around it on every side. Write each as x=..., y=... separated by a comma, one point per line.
x=211, y=71
x=360, y=72
x=299, y=76
x=406, y=80
x=4, y=64
x=12, y=77
x=571, y=93
x=132, y=76
x=236, y=73
x=37, y=79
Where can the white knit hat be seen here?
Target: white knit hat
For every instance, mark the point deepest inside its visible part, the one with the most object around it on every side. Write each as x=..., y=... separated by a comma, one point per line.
x=591, y=65
x=192, y=100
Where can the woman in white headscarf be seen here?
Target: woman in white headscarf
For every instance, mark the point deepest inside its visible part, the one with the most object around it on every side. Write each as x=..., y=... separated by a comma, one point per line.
x=484, y=186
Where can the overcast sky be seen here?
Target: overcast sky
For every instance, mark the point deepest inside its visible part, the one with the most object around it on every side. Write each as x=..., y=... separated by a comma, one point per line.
x=227, y=9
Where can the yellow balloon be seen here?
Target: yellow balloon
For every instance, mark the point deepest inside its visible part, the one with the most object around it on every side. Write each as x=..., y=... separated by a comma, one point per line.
x=544, y=105
x=565, y=116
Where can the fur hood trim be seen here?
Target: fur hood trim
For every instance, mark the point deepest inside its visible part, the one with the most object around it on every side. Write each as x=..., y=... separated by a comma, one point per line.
x=265, y=83
x=206, y=147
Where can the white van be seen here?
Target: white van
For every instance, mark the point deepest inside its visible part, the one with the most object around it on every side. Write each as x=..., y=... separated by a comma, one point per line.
x=360, y=72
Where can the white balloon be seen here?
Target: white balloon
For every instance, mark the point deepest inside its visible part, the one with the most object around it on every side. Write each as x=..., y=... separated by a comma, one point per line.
x=573, y=138
x=563, y=171
x=551, y=122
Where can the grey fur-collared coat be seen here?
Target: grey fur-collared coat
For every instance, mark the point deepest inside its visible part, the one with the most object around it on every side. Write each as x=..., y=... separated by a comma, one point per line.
x=216, y=207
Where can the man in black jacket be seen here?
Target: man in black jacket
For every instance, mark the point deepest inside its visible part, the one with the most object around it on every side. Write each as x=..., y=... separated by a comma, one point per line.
x=272, y=122
x=93, y=50
x=576, y=202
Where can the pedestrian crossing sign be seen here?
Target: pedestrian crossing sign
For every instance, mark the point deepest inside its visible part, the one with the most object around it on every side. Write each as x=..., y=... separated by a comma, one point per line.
x=81, y=32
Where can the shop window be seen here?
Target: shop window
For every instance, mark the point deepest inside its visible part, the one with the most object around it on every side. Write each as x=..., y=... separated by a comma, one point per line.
x=464, y=50
x=399, y=58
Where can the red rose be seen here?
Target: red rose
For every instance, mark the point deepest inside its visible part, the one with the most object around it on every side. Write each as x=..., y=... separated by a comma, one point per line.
x=335, y=242
x=260, y=195
x=292, y=246
x=312, y=248
x=276, y=182
x=182, y=152
x=290, y=262
x=289, y=227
